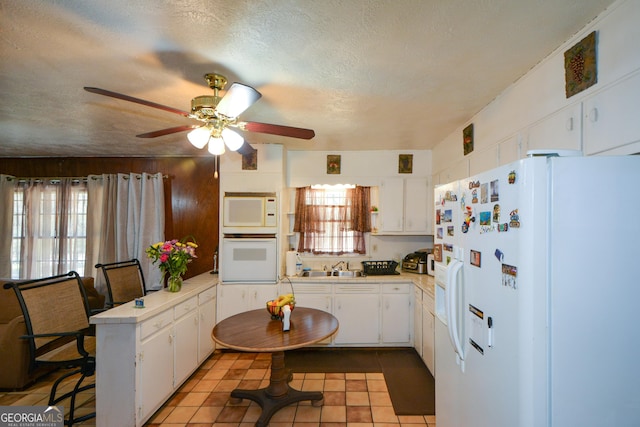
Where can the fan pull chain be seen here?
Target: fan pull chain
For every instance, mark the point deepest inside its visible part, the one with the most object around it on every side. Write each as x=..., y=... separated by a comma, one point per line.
x=215, y=167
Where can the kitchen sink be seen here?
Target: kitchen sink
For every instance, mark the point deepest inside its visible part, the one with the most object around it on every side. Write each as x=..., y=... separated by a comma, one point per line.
x=315, y=273
x=337, y=273
x=348, y=273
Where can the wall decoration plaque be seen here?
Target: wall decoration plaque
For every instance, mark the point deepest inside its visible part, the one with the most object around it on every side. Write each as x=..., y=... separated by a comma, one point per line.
x=580, y=66
x=467, y=139
x=405, y=163
x=250, y=161
x=333, y=164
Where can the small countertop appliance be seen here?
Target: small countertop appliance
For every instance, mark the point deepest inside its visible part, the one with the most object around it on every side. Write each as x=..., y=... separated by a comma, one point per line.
x=420, y=261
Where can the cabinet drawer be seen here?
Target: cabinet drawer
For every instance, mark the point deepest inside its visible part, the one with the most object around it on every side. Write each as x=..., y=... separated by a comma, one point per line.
x=313, y=288
x=358, y=288
x=396, y=288
x=155, y=324
x=207, y=295
x=185, y=307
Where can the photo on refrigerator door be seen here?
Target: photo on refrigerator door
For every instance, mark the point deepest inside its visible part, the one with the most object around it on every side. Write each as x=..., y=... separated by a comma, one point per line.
x=495, y=191
x=509, y=275
x=475, y=258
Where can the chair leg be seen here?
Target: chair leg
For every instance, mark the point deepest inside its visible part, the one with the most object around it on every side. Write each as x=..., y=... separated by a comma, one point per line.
x=53, y=400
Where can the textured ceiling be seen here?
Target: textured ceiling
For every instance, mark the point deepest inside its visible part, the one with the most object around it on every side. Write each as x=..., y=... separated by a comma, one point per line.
x=364, y=74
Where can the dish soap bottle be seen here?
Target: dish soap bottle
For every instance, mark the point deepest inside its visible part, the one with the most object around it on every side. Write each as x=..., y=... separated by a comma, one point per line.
x=298, y=265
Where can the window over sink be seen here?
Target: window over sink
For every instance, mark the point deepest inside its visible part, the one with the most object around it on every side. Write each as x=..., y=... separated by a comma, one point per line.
x=332, y=219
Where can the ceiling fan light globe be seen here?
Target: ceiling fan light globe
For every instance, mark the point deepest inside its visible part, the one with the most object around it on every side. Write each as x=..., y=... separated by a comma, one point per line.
x=232, y=139
x=238, y=98
x=199, y=137
x=216, y=146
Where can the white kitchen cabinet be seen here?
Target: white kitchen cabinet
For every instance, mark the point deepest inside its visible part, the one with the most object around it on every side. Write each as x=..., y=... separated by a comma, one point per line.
x=206, y=322
x=238, y=298
x=392, y=205
x=560, y=131
x=417, y=320
x=315, y=295
x=155, y=371
x=318, y=296
x=405, y=206
x=428, y=333
x=186, y=340
x=357, y=308
x=611, y=117
x=397, y=315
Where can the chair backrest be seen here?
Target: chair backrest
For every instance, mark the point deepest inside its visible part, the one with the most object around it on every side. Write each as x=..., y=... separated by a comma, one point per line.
x=125, y=281
x=52, y=305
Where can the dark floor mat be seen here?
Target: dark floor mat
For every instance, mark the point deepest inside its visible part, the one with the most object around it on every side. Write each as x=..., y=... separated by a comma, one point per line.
x=411, y=386
x=332, y=360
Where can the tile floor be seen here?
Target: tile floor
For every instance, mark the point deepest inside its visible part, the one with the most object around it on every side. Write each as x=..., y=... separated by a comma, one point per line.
x=350, y=399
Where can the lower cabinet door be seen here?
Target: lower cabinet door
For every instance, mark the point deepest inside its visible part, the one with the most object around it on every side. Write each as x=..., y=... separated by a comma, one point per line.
x=428, y=340
x=358, y=318
x=207, y=321
x=156, y=372
x=396, y=318
x=186, y=345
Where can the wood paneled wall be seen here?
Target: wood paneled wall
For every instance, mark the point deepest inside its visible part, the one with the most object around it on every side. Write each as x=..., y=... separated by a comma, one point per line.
x=191, y=192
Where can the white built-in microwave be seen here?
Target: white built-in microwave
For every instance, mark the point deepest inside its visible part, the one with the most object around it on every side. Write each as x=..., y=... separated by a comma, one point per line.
x=250, y=213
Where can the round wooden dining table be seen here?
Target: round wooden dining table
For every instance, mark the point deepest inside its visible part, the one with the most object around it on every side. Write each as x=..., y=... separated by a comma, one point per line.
x=256, y=331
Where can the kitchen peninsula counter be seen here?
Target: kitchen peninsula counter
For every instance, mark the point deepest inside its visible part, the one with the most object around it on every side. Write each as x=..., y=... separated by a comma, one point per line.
x=145, y=354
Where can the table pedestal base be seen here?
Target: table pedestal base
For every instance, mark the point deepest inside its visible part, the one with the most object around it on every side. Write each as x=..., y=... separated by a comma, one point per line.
x=278, y=394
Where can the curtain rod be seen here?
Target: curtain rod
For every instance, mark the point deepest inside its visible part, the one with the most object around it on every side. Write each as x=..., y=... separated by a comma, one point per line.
x=73, y=178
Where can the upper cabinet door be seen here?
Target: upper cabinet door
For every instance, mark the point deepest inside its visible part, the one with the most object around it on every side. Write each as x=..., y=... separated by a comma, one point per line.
x=611, y=117
x=392, y=205
x=417, y=212
x=560, y=131
x=405, y=206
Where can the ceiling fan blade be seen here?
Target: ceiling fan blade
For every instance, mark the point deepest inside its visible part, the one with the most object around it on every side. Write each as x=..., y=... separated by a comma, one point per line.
x=246, y=149
x=238, y=98
x=277, y=130
x=136, y=100
x=167, y=131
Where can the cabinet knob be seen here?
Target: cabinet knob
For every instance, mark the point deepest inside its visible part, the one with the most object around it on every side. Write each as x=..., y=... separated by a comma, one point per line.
x=593, y=115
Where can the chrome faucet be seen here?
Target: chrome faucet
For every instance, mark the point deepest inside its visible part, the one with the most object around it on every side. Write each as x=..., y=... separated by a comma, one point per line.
x=335, y=266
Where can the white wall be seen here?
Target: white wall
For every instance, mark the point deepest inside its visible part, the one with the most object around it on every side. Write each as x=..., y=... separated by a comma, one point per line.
x=535, y=107
x=357, y=167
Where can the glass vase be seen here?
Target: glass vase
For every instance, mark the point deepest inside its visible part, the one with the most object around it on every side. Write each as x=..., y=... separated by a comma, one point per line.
x=174, y=284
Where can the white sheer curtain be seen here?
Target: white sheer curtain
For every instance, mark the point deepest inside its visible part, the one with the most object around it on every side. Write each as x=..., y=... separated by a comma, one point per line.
x=7, y=184
x=46, y=226
x=126, y=215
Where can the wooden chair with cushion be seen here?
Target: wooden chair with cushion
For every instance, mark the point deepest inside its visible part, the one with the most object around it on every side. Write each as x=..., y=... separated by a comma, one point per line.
x=125, y=281
x=56, y=316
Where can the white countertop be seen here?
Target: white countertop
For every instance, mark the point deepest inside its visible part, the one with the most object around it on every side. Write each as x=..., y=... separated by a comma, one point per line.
x=155, y=302
x=423, y=281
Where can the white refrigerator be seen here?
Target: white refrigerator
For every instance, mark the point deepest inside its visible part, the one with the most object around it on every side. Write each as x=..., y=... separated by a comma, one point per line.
x=538, y=295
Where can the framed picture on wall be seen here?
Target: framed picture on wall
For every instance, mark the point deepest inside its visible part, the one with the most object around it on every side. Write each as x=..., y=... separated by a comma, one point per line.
x=405, y=163
x=250, y=161
x=333, y=164
x=580, y=66
x=467, y=139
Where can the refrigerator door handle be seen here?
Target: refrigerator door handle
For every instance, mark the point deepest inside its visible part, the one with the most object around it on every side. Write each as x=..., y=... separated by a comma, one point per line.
x=453, y=279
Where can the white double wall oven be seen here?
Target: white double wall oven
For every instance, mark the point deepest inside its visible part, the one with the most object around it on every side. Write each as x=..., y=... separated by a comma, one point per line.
x=249, y=245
